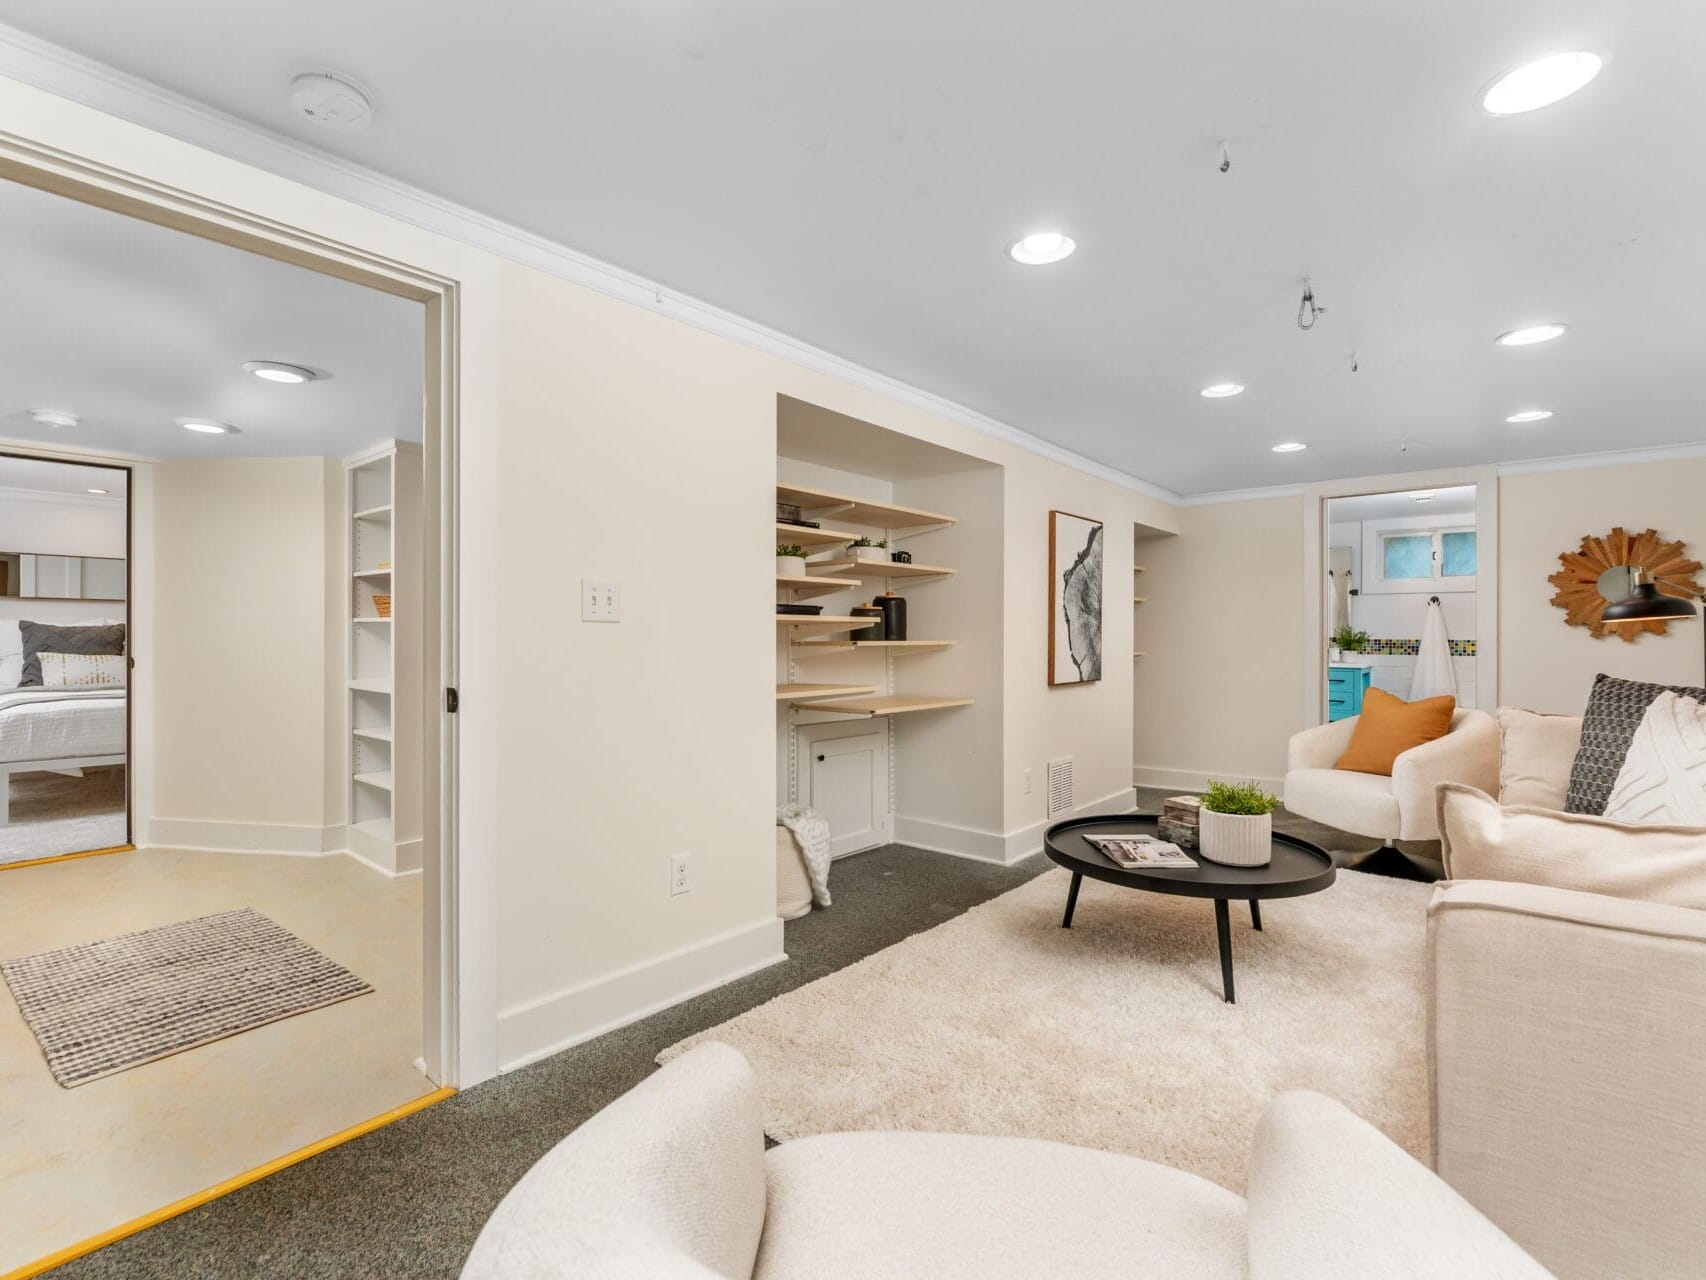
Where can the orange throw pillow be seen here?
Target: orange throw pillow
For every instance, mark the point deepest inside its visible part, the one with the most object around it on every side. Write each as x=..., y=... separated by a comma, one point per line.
x=1389, y=726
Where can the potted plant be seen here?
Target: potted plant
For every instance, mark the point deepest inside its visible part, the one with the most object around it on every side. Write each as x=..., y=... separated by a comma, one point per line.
x=1236, y=826
x=790, y=561
x=865, y=550
x=1349, y=640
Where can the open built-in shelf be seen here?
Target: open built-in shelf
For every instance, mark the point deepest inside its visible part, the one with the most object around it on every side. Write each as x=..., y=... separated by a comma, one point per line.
x=885, y=569
x=805, y=647
x=373, y=573
x=794, y=534
x=373, y=732
x=380, y=780
x=892, y=705
x=374, y=513
x=813, y=585
x=822, y=622
x=806, y=692
x=898, y=521
x=371, y=685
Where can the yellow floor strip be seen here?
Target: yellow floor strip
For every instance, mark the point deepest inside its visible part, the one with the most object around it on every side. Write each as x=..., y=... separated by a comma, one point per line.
x=64, y=857
x=59, y=1259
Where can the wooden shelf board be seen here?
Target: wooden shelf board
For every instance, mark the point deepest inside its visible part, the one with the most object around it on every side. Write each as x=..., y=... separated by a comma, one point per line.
x=370, y=620
x=880, y=515
x=1140, y=654
x=893, y=705
x=823, y=622
x=380, y=780
x=374, y=732
x=371, y=686
x=1140, y=599
x=805, y=692
x=803, y=647
x=793, y=534
x=374, y=513
x=1140, y=568
x=813, y=585
x=887, y=569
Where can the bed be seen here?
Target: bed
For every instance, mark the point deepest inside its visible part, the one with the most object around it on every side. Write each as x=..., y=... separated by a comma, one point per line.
x=58, y=730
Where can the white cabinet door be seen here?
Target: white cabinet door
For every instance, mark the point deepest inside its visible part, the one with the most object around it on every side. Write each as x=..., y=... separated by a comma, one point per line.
x=847, y=781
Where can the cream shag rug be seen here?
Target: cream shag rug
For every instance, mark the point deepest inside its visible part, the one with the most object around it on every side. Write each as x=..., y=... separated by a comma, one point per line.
x=1111, y=1034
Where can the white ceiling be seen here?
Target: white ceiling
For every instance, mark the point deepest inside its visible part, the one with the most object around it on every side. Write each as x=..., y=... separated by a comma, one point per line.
x=133, y=326
x=850, y=174
x=61, y=477
x=1456, y=500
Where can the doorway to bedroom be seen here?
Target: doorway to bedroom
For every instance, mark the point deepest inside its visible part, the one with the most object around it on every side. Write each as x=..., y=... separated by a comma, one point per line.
x=65, y=554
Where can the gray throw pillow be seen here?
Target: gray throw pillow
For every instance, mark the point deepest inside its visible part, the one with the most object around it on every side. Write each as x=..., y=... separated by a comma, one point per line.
x=41, y=637
x=1615, y=708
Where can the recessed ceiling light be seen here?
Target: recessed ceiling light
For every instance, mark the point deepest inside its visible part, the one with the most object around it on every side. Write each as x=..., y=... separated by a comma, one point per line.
x=1040, y=248
x=99, y=492
x=1290, y=446
x=274, y=371
x=1220, y=390
x=1530, y=415
x=1532, y=334
x=1539, y=84
x=53, y=417
x=207, y=426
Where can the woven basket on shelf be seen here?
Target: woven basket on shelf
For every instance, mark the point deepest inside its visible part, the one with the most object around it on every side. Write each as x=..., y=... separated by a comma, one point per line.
x=382, y=606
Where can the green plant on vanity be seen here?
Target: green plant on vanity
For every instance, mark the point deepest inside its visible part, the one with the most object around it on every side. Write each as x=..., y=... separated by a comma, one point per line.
x=1349, y=640
x=1243, y=798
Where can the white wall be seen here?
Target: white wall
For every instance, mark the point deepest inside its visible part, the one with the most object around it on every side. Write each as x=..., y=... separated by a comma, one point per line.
x=67, y=525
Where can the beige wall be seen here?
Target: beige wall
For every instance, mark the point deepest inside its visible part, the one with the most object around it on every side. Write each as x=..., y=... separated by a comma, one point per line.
x=239, y=643
x=1544, y=664
x=1219, y=690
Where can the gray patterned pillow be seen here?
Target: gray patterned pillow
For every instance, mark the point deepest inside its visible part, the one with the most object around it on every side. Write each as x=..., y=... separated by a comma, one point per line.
x=40, y=637
x=1614, y=713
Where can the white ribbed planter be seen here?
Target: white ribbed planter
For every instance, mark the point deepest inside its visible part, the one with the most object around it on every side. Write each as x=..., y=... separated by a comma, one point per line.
x=790, y=566
x=1236, y=839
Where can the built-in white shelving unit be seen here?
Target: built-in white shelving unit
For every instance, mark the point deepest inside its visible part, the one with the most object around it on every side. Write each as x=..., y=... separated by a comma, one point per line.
x=382, y=494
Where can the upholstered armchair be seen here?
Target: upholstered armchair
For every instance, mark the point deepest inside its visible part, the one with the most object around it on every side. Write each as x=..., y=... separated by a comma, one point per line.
x=1401, y=807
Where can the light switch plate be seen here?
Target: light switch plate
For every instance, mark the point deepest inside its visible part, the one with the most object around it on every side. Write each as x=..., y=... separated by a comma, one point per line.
x=600, y=601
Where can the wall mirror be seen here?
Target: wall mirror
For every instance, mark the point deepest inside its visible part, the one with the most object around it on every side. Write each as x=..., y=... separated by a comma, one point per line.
x=29, y=575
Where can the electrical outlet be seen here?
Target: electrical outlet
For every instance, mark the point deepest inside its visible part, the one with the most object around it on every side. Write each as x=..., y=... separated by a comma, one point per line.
x=1027, y=782
x=601, y=601
x=678, y=867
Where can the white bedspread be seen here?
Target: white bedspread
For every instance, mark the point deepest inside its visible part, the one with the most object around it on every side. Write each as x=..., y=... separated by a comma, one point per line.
x=61, y=724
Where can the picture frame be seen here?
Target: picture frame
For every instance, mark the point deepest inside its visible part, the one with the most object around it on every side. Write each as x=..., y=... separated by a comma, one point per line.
x=1076, y=556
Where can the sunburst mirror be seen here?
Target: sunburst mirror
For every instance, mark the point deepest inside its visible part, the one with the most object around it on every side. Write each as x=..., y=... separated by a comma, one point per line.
x=1579, y=592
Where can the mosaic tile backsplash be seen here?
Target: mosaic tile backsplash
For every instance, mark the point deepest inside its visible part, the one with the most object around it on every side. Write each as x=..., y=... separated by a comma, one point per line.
x=1410, y=648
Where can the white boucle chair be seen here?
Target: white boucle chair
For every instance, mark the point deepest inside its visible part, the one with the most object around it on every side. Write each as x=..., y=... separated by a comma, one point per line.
x=1401, y=807
x=672, y=1182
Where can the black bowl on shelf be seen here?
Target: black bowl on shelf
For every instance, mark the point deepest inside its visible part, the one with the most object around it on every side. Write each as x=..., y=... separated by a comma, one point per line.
x=805, y=609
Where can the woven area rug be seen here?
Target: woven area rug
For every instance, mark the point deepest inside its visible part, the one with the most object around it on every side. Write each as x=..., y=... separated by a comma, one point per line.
x=103, y=1007
x=1111, y=1034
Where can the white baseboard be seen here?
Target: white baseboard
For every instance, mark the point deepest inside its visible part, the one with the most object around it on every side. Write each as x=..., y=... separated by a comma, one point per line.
x=244, y=837
x=1186, y=782
x=557, y=1022
x=990, y=846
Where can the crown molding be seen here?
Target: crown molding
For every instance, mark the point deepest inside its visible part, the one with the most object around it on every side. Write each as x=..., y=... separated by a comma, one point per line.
x=9, y=493
x=1240, y=495
x=59, y=71
x=1613, y=458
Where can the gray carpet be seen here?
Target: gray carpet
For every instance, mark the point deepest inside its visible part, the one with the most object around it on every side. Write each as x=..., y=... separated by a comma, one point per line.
x=53, y=814
x=409, y=1199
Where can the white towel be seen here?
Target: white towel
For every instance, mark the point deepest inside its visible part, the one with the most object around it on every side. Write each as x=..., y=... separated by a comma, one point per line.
x=1434, y=676
x=811, y=831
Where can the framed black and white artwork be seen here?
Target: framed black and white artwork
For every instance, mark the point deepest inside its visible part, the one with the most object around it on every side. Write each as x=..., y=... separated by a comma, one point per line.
x=1074, y=599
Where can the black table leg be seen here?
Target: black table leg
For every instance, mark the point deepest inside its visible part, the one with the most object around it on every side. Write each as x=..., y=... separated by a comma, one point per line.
x=1071, y=900
x=1223, y=926
x=1255, y=915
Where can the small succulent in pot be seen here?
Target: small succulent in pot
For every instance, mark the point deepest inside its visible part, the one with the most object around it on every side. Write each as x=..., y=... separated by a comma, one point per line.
x=790, y=561
x=867, y=549
x=1236, y=824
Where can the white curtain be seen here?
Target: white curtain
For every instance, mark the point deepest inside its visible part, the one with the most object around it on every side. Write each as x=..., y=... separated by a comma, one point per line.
x=1434, y=675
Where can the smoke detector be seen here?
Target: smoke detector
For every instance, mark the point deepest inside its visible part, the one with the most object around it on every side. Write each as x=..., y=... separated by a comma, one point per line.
x=331, y=102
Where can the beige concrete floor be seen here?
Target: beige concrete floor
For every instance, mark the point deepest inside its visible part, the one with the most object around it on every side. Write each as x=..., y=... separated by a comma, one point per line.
x=76, y=1162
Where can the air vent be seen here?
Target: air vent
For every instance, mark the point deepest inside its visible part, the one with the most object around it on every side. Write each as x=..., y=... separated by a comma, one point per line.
x=1060, y=786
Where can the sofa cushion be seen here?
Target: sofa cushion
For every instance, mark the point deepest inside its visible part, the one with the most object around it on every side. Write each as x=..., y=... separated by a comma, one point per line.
x=1389, y=726
x=889, y=1206
x=1332, y=1197
x=1359, y=802
x=1483, y=841
x=1663, y=779
x=1536, y=754
x=1615, y=708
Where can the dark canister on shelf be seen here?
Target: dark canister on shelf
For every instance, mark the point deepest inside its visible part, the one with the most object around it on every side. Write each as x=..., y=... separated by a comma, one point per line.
x=874, y=632
x=894, y=615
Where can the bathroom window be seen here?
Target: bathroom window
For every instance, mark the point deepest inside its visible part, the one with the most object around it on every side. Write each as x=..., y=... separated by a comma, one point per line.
x=1406, y=555
x=1412, y=559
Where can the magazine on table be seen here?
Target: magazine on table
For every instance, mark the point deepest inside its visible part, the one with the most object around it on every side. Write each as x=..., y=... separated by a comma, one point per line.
x=1132, y=852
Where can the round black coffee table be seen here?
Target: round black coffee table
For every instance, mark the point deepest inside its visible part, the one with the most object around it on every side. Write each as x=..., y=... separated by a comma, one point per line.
x=1298, y=867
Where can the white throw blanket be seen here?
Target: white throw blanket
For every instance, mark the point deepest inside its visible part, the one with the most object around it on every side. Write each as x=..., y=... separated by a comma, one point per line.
x=811, y=831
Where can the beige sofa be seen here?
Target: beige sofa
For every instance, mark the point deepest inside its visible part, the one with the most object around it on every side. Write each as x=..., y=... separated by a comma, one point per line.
x=1397, y=808
x=672, y=1182
x=1568, y=1027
